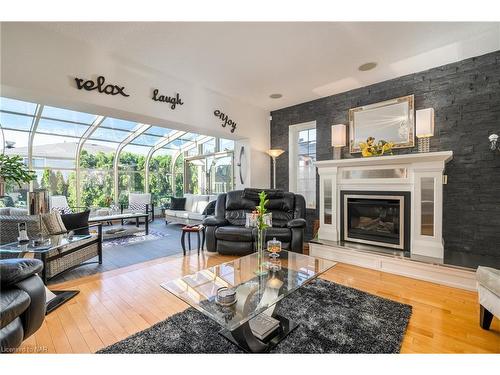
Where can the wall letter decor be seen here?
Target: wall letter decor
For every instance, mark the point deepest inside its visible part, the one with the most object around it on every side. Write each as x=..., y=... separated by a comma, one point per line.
x=226, y=120
x=90, y=85
x=167, y=99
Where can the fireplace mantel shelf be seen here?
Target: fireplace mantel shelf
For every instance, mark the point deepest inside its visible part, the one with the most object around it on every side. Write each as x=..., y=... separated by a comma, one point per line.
x=442, y=156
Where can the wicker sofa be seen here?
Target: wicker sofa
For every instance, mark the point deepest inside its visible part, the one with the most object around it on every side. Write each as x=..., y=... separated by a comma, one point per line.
x=58, y=260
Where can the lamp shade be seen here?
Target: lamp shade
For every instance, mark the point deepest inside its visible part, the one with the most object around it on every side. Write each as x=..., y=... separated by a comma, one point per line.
x=275, y=152
x=425, y=123
x=338, y=135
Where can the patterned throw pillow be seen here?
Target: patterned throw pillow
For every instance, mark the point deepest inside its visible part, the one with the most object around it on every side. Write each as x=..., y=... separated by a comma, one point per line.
x=137, y=207
x=62, y=210
x=53, y=223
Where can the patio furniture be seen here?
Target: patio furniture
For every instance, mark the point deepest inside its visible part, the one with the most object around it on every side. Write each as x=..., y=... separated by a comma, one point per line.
x=489, y=294
x=60, y=204
x=56, y=259
x=192, y=213
x=139, y=203
x=22, y=301
x=193, y=229
x=226, y=232
x=122, y=217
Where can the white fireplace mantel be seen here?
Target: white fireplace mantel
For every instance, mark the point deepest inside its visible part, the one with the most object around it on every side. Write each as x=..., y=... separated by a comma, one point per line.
x=420, y=174
x=428, y=157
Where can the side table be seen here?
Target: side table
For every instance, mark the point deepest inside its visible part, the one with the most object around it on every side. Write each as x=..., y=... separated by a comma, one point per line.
x=193, y=229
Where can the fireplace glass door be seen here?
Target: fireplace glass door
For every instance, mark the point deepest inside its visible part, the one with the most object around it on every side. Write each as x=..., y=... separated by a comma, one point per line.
x=373, y=219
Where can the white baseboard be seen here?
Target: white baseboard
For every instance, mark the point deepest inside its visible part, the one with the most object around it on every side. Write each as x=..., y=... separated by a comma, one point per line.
x=439, y=274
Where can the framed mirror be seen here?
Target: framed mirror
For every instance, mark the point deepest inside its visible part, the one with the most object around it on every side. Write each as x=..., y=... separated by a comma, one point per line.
x=391, y=120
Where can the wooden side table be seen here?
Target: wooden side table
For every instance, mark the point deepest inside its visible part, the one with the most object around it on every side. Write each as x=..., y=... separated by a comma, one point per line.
x=193, y=229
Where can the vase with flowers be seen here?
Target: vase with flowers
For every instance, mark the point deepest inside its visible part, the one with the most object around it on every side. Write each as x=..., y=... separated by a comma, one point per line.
x=372, y=148
x=262, y=222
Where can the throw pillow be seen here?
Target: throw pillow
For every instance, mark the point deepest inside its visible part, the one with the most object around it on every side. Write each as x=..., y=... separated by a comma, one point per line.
x=137, y=207
x=177, y=204
x=79, y=221
x=53, y=223
x=210, y=209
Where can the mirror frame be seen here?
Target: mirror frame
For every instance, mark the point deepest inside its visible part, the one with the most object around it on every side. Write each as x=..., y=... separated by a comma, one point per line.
x=409, y=142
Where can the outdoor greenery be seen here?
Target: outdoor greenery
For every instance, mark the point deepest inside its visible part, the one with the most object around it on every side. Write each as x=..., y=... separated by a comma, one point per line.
x=97, y=182
x=14, y=171
x=97, y=179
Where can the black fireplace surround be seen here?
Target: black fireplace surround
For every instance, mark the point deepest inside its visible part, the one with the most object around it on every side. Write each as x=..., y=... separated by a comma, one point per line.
x=380, y=218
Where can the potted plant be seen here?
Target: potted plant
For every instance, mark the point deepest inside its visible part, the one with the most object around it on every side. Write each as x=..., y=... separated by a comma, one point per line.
x=262, y=225
x=13, y=170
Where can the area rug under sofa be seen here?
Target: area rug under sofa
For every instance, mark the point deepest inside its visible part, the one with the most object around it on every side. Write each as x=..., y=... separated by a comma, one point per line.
x=333, y=319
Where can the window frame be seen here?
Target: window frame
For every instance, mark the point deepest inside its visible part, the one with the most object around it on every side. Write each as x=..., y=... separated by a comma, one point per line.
x=293, y=148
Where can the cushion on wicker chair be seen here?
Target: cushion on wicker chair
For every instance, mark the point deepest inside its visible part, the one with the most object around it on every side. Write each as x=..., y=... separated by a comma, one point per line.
x=53, y=223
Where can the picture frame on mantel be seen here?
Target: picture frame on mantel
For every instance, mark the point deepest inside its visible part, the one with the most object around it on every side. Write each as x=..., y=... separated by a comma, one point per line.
x=391, y=120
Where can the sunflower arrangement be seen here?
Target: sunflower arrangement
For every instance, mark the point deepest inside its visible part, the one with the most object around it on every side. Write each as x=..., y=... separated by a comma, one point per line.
x=370, y=148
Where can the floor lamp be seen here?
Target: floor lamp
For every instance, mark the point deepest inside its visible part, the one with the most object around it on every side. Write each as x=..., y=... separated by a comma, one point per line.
x=274, y=153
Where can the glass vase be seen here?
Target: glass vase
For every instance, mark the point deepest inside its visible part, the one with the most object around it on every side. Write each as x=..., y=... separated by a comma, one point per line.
x=261, y=237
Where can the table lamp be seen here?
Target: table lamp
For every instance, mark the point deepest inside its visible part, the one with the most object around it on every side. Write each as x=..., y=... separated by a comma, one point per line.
x=424, y=128
x=338, y=140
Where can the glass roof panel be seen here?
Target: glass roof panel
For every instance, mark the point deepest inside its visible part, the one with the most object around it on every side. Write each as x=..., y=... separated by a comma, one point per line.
x=158, y=130
x=190, y=136
x=176, y=144
x=15, y=122
x=115, y=123
x=146, y=140
x=68, y=115
x=18, y=106
x=61, y=128
x=110, y=135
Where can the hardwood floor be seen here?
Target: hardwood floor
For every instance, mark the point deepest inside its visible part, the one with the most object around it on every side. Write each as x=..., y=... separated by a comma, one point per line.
x=118, y=303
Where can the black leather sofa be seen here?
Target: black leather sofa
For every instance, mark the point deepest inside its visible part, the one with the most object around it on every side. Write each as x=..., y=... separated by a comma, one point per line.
x=226, y=232
x=22, y=307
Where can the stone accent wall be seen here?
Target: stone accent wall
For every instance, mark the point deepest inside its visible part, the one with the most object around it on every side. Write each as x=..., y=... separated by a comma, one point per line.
x=466, y=99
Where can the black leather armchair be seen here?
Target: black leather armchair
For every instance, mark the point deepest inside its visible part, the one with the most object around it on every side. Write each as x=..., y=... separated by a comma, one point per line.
x=22, y=308
x=226, y=232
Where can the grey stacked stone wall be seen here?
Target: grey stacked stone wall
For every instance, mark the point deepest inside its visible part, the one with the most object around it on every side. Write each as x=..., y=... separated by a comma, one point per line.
x=466, y=99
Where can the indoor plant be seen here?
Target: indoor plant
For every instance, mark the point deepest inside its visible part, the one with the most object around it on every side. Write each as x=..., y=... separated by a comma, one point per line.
x=261, y=227
x=13, y=170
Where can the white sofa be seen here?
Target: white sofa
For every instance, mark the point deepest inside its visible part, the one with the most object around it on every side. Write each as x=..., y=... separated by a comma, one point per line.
x=193, y=210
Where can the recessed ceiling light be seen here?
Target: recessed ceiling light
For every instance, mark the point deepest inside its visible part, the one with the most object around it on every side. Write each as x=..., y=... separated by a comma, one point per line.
x=367, y=66
x=275, y=96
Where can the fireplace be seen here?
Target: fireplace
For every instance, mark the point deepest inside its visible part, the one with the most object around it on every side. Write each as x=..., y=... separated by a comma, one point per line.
x=376, y=218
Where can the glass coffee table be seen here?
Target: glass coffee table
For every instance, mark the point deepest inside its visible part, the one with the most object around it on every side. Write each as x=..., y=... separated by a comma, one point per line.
x=251, y=321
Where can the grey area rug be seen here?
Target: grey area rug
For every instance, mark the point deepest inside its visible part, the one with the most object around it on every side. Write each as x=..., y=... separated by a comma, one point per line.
x=333, y=319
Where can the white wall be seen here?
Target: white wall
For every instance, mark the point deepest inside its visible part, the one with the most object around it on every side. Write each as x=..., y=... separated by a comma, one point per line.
x=40, y=65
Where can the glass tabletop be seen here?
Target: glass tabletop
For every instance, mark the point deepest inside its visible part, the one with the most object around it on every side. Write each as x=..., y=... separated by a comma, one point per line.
x=255, y=292
x=53, y=242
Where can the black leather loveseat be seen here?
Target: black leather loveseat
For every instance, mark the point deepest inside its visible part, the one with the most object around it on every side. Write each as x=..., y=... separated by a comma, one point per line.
x=22, y=300
x=226, y=232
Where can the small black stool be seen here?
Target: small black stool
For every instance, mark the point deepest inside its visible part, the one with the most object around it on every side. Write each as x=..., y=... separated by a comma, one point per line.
x=193, y=229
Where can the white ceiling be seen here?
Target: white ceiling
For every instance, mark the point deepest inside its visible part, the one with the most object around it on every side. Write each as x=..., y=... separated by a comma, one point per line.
x=302, y=60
